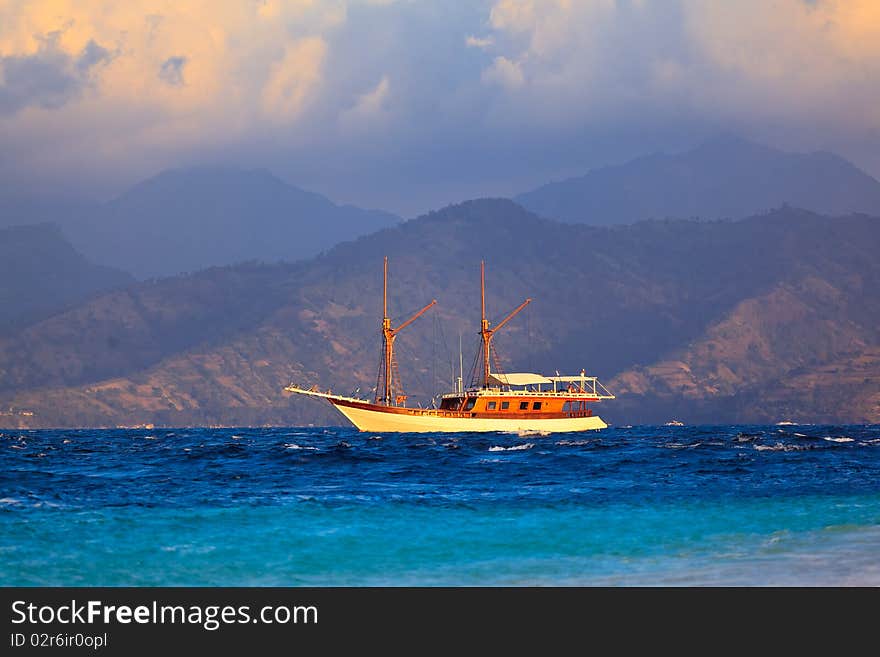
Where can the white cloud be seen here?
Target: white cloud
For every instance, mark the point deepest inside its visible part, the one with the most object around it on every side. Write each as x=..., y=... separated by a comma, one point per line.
x=505, y=72
x=293, y=78
x=514, y=15
x=479, y=42
x=368, y=109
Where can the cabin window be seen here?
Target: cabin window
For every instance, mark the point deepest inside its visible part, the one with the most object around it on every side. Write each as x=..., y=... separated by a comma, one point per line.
x=470, y=403
x=505, y=405
x=524, y=406
x=536, y=406
x=490, y=406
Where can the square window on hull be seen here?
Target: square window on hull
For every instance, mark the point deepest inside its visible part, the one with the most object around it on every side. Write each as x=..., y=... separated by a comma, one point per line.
x=490, y=406
x=524, y=406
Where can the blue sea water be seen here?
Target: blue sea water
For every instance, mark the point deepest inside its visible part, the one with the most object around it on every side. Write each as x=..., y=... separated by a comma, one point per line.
x=708, y=505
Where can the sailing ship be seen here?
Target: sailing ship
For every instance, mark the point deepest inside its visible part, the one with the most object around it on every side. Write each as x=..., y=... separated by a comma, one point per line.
x=517, y=402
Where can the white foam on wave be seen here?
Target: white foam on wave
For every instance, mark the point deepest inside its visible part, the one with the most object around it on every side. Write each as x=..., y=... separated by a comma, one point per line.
x=532, y=432
x=574, y=442
x=48, y=505
x=838, y=439
x=779, y=447
x=295, y=446
x=188, y=548
x=513, y=448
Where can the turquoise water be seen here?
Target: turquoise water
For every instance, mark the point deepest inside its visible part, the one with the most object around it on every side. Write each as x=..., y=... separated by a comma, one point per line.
x=254, y=507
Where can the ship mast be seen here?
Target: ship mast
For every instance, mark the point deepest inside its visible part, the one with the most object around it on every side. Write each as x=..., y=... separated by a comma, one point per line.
x=388, y=336
x=486, y=334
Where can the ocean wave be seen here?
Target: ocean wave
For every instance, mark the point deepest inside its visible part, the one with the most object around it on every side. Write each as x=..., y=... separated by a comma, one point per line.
x=781, y=447
x=512, y=448
x=99, y=471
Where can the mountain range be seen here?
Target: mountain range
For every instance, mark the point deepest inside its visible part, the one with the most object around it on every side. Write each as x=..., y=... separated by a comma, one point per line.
x=183, y=220
x=723, y=178
x=41, y=274
x=775, y=316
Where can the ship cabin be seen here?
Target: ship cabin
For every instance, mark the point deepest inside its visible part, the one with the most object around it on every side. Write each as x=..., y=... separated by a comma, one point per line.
x=525, y=394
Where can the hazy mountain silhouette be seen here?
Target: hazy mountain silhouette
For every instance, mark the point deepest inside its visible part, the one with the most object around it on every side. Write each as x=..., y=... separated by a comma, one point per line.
x=772, y=317
x=19, y=209
x=42, y=274
x=726, y=177
x=187, y=219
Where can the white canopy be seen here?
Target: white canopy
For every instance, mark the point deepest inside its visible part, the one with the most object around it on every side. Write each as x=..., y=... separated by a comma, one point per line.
x=518, y=379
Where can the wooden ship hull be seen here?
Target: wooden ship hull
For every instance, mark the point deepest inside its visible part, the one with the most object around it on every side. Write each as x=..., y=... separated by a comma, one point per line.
x=367, y=416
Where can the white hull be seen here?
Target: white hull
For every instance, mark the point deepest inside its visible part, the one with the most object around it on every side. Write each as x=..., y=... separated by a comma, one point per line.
x=379, y=421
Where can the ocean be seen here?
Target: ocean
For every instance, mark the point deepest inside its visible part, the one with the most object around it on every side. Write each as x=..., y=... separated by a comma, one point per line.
x=649, y=505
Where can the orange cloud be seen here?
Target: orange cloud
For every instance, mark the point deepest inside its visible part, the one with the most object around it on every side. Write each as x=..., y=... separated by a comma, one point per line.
x=293, y=77
x=178, y=73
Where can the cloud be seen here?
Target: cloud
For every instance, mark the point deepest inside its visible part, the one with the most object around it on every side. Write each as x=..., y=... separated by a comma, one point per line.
x=137, y=86
x=369, y=108
x=293, y=77
x=171, y=70
x=48, y=78
x=479, y=42
x=505, y=72
x=92, y=55
x=410, y=104
x=515, y=15
x=729, y=60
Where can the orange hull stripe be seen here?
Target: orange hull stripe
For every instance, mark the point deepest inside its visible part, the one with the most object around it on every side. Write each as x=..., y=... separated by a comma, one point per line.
x=512, y=414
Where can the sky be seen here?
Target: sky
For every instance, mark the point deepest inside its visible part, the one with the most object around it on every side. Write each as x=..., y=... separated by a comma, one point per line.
x=409, y=105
